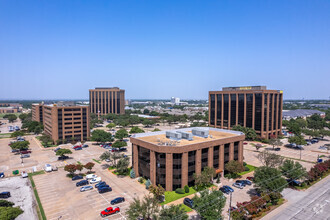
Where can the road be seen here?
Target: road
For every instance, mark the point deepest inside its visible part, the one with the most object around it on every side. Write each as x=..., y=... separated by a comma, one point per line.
x=313, y=203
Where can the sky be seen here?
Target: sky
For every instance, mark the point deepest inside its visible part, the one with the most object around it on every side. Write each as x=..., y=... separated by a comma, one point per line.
x=158, y=49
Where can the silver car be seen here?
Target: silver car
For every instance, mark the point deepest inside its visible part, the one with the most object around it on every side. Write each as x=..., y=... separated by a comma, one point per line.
x=85, y=188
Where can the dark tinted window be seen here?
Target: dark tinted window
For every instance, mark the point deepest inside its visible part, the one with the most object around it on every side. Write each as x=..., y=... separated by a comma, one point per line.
x=225, y=110
x=257, y=112
x=232, y=110
x=212, y=111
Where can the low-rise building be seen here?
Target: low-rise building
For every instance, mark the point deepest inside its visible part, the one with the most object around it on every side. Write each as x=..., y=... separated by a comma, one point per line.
x=301, y=113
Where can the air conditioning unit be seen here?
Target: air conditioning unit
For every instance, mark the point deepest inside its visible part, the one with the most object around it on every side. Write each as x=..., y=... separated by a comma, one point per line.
x=186, y=135
x=173, y=135
x=200, y=132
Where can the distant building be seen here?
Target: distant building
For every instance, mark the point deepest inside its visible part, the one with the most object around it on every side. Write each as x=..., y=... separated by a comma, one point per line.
x=175, y=101
x=147, y=116
x=170, y=158
x=63, y=121
x=252, y=106
x=301, y=113
x=107, y=100
x=321, y=106
x=8, y=108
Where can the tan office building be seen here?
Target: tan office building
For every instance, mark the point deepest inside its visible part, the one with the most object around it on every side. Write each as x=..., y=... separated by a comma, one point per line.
x=252, y=106
x=37, y=112
x=107, y=100
x=65, y=121
x=170, y=158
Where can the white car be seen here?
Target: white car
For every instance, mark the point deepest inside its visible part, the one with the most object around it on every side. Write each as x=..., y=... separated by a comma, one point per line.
x=48, y=168
x=95, y=180
x=91, y=176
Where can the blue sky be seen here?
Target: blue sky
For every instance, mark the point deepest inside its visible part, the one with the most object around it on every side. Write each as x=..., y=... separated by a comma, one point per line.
x=158, y=49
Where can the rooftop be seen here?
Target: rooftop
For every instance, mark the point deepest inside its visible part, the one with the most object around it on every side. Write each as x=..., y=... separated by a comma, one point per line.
x=159, y=138
x=300, y=113
x=240, y=88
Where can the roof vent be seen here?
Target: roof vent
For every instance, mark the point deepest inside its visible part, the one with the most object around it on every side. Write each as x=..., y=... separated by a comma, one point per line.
x=186, y=135
x=200, y=132
x=173, y=135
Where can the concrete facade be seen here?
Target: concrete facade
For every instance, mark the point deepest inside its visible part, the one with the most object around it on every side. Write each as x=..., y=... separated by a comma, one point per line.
x=107, y=100
x=172, y=165
x=254, y=107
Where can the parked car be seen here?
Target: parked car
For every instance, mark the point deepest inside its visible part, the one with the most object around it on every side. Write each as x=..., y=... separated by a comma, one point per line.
x=25, y=155
x=48, y=168
x=78, y=148
x=109, y=211
x=77, y=177
x=314, y=140
x=229, y=188
x=122, y=149
x=2, y=175
x=85, y=145
x=277, y=149
x=91, y=176
x=25, y=152
x=57, y=149
x=95, y=180
x=104, y=189
x=82, y=183
x=5, y=195
x=251, y=178
x=54, y=168
x=241, y=182
x=292, y=182
x=107, y=160
x=238, y=185
x=24, y=174
x=247, y=182
x=102, y=183
x=188, y=202
x=85, y=188
x=224, y=190
x=14, y=150
x=117, y=200
x=62, y=157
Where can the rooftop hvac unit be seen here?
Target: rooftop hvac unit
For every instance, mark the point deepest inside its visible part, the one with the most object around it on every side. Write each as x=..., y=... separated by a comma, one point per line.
x=186, y=135
x=173, y=135
x=200, y=132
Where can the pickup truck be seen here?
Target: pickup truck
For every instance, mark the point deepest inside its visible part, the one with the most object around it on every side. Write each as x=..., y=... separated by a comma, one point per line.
x=109, y=211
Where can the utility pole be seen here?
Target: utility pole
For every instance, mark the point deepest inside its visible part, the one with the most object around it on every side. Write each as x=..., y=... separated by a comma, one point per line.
x=230, y=204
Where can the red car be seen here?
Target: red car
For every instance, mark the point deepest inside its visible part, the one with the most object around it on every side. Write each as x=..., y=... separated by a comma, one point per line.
x=77, y=146
x=251, y=178
x=25, y=152
x=109, y=211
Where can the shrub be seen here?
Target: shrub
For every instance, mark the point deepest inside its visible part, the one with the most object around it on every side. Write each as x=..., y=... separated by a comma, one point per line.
x=244, y=163
x=186, y=189
x=132, y=174
x=5, y=203
x=148, y=183
x=179, y=191
x=265, y=141
x=141, y=180
x=246, y=169
x=269, y=204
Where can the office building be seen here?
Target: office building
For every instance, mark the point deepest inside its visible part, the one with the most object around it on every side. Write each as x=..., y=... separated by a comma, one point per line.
x=107, y=100
x=253, y=106
x=170, y=158
x=63, y=121
x=37, y=112
x=9, y=108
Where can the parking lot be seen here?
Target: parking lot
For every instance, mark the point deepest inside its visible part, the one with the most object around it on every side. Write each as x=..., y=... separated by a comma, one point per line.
x=5, y=124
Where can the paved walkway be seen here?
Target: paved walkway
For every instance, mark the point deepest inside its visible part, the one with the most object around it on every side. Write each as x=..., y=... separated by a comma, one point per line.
x=314, y=203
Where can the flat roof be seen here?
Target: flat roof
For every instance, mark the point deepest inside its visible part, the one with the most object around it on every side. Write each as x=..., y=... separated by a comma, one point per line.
x=160, y=136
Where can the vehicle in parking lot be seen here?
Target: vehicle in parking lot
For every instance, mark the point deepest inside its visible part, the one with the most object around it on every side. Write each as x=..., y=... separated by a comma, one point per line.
x=314, y=140
x=238, y=185
x=293, y=182
x=109, y=211
x=63, y=157
x=117, y=200
x=5, y=195
x=229, y=188
x=247, y=182
x=85, y=188
x=24, y=174
x=48, y=168
x=224, y=190
x=78, y=177
x=25, y=152
x=54, y=168
x=277, y=149
x=82, y=183
x=104, y=189
x=85, y=145
x=14, y=150
x=188, y=202
x=91, y=176
x=78, y=148
x=251, y=178
x=95, y=180
x=107, y=160
x=102, y=183
x=57, y=149
x=25, y=155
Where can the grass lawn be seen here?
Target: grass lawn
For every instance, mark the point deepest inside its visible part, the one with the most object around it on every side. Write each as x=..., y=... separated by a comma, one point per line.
x=97, y=161
x=251, y=168
x=125, y=174
x=186, y=208
x=171, y=196
x=3, y=114
x=4, y=135
x=40, y=210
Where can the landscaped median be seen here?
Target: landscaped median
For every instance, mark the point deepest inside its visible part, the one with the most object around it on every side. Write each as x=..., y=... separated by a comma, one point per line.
x=40, y=210
x=171, y=196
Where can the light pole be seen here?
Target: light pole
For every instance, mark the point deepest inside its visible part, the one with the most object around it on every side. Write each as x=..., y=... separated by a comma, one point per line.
x=230, y=204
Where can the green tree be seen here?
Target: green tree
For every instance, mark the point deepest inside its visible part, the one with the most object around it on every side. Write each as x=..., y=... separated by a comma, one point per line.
x=5, y=203
x=269, y=179
x=311, y=133
x=45, y=139
x=209, y=210
x=121, y=134
x=301, y=122
x=23, y=116
x=105, y=156
x=20, y=145
x=234, y=166
x=146, y=111
x=71, y=168
x=147, y=122
x=173, y=212
x=119, y=144
x=324, y=133
x=89, y=166
x=17, y=134
x=297, y=139
x=101, y=136
x=145, y=209
x=156, y=129
x=270, y=159
x=11, y=117
x=293, y=170
x=115, y=156
x=111, y=125
x=275, y=142
x=122, y=165
x=250, y=133
x=135, y=130
x=157, y=191
x=10, y=213
x=294, y=127
x=62, y=152
x=205, y=178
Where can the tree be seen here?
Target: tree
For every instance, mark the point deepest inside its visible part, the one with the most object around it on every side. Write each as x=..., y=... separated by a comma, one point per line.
x=146, y=111
x=135, y=130
x=20, y=145
x=205, y=178
x=237, y=215
x=79, y=167
x=269, y=179
x=156, y=129
x=301, y=122
x=132, y=174
x=10, y=213
x=101, y=136
x=293, y=170
x=5, y=203
x=324, y=133
x=310, y=133
x=11, y=117
x=23, y=116
x=121, y=134
x=89, y=166
x=173, y=212
x=119, y=144
x=147, y=122
x=111, y=125
x=250, y=133
x=17, y=134
x=275, y=142
x=145, y=209
x=234, y=166
x=122, y=165
x=62, y=152
x=71, y=168
x=294, y=127
x=115, y=156
x=105, y=156
x=157, y=191
x=45, y=139
x=209, y=210
x=297, y=139
x=270, y=159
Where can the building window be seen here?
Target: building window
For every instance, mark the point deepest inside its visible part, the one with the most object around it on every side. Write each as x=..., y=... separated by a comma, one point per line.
x=219, y=110
x=144, y=162
x=212, y=111
x=236, y=145
x=249, y=110
x=205, y=155
x=225, y=110
x=226, y=152
x=270, y=111
x=177, y=163
x=191, y=167
x=216, y=157
x=257, y=112
x=232, y=110
x=265, y=111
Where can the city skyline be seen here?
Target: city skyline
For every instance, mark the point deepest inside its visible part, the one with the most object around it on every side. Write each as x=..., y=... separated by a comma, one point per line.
x=60, y=50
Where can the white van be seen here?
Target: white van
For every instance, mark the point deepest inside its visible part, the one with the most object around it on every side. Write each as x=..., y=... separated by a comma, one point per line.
x=48, y=168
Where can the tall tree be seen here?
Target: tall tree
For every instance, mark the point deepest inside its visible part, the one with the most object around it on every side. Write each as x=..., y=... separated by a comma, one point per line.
x=145, y=209
x=270, y=159
x=101, y=136
x=269, y=179
x=121, y=134
x=122, y=165
x=71, y=168
x=173, y=212
x=293, y=170
x=234, y=166
x=275, y=142
x=157, y=191
x=297, y=139
x=62, y=152
x=89, y=166
x=20, y=145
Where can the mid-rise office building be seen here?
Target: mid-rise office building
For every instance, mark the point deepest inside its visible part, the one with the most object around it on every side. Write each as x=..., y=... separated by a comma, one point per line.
x=170, y=158
x=37, y=112
x=253, y=106
x=107, y=100
x=64, y=122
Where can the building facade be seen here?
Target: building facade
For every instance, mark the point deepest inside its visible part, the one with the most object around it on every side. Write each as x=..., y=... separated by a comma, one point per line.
x=63, y=122
x=170, y=158
x=107, y=100
x=254, y=107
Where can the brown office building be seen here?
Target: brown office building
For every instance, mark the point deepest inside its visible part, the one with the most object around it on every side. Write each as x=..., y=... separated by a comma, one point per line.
x=170, y=158
x=37, y=112
x=253, y=106
x=107, y=100
x=65, y=121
